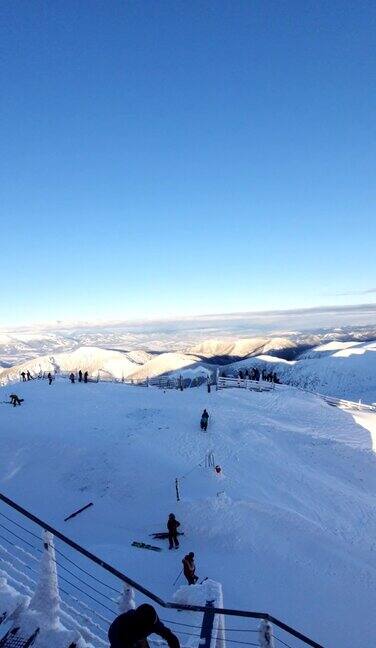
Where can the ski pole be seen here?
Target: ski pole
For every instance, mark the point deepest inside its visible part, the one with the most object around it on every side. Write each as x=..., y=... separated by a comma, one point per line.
x=180, y=573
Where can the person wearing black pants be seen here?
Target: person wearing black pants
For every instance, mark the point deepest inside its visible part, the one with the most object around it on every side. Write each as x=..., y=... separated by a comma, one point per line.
x=172, y=526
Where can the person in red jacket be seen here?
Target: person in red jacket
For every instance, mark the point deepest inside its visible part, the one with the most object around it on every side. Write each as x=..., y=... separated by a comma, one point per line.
x=131, y=629
x=189, y=568
x=172, y=526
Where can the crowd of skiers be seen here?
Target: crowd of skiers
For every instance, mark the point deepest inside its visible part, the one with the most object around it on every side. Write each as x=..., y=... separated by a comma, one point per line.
x=256, y=374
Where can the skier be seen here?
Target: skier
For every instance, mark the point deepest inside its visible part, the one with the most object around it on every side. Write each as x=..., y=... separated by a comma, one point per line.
x=204, y=420
x=189, y=568
x=131, y=629
x=14, y=400
x=23, y=375
x=80, y=376
x=29, y=376
x=86, y=376
x=49, y=378
x=71, y=378
x=172, y=525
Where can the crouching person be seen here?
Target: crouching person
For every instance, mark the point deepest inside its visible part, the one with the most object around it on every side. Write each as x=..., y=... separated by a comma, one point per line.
x=131, y=629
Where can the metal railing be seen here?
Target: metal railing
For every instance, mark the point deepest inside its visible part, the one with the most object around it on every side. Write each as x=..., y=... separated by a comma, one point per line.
x=102, y=592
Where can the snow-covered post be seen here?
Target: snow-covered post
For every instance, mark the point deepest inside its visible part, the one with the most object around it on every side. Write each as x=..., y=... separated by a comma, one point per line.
x=216, y=379
x=126, y=601
x=46, y=599
x=265, y=634
x=208, y=594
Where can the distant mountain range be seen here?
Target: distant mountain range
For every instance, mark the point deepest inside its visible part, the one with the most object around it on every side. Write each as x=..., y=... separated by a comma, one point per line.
x=337, y=362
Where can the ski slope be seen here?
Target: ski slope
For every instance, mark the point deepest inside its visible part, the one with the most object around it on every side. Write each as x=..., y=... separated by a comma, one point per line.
x=346, y=371
x=288, y=528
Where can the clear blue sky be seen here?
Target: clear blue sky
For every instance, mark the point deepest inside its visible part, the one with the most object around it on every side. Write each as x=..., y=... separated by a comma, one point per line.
x=168, y=157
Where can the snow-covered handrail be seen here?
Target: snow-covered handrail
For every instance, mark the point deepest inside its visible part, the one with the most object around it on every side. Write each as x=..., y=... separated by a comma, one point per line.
x=263, y=385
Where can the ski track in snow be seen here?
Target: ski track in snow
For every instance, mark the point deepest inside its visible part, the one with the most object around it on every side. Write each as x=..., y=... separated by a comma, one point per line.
x=288, y=528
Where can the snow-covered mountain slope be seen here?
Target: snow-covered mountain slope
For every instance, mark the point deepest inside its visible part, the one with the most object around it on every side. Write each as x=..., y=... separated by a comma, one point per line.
x=289, y=527
x=113, y=364
x=347, y=373
x=167, y=363
x=239, y=347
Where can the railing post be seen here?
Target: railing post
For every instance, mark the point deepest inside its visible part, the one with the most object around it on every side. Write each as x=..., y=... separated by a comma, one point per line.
x=46, y=599
x=266, y=639
x=207, y=626
x=126, y=601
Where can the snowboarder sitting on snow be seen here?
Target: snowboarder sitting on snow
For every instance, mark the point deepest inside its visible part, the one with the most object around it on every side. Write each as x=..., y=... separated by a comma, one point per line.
x=204, y=420
x=189, y=568
x=131, y=629
x=14, y=400
x=172, y=525
x=71, y=378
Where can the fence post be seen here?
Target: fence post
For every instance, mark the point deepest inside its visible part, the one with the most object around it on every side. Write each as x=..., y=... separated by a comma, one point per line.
x=207, y=626
x=265, y=633
x=126, y=601
x=216, y=379
x=46, y=598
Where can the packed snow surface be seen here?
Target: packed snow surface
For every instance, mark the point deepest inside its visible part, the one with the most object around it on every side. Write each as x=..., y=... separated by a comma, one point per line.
x=288, y=527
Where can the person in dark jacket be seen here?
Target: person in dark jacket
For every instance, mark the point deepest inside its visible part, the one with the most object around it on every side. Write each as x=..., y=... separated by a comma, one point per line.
x=131, y=629
x=49, y=378
x=80, y=376
x=14, y=400
x=29, y=376
x=173, y=525
x=23, y=376
x=189, y=568
x=86, y=376
x=204, y=420
x=71, y=378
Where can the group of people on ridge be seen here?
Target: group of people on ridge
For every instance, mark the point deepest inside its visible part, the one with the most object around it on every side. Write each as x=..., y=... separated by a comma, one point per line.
x=26, y=376
x=81, y=377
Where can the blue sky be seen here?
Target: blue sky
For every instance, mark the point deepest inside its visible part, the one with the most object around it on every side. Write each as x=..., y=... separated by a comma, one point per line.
x=167, y=158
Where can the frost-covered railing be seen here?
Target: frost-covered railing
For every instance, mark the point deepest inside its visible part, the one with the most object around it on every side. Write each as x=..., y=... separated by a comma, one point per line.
x=92, y=591
x=244, y=383
x=263, y=385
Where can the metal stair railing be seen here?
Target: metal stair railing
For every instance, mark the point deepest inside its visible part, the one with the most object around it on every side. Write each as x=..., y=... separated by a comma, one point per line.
x=109, y=604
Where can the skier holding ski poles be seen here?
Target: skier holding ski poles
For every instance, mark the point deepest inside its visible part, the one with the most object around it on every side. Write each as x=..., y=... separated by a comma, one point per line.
x=189, y=568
